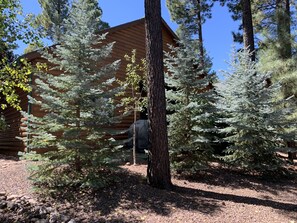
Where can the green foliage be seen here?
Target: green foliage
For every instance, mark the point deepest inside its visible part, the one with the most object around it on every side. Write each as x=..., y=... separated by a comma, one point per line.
x=134, y=87
x=14, y=74
x=191, y=104
x=256, y=118
x=78, y=106
x=51, y=21
x=134, y=84
x=2, y=123
x=186, y=13
x=283, y=70
x=278, y=46
x=275, y=22
x=14, y=26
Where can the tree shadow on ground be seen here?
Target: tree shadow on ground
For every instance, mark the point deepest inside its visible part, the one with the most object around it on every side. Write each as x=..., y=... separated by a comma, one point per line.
x=130, y=197
x=140, y=196
x=238, y=199
x=236, y=179
x=131, y=192
x=134, y=193
x=6, y=157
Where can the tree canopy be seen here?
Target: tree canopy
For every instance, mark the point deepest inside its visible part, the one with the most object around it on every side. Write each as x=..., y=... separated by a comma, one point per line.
x=14, y=72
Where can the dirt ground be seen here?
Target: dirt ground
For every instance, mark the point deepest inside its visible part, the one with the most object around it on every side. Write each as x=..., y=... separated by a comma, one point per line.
x=216, y=195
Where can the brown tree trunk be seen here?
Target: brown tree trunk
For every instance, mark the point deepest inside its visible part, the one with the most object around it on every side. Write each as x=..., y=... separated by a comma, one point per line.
x=134, y=134
x=283, y=17
x=158, y=170
x=200, y=35
x=248, y=32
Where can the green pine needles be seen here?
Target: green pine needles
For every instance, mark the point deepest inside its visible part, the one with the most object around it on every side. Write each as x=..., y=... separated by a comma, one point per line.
x=78, y=105
x=255, y=117
x=190, y=100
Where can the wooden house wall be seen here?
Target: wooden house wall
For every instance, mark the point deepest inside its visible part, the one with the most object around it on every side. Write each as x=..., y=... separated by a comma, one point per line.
x=9, y=144
x=132, y=37
x=126, y=37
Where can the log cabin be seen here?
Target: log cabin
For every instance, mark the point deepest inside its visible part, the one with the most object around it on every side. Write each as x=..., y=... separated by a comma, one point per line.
x=127, y=37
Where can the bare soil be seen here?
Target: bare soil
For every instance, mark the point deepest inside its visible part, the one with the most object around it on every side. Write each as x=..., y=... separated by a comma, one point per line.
x=217, y=195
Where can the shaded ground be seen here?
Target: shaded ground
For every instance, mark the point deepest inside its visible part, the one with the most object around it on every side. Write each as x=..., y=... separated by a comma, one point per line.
x=218, y=196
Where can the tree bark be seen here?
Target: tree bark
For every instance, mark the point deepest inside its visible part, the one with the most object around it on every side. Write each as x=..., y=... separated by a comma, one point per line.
x=200, y=34
x=158, y=171
x=283, y=17
x=134, y=133
x=248, y=32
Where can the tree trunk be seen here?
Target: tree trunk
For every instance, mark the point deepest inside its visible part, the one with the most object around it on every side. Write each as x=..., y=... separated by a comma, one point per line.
x=248, y=32
x=134, y=134
x=158, y=170
x=283, y=18
x=200, y=35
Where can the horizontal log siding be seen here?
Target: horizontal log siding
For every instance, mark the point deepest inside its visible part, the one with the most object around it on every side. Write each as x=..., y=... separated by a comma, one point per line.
x=125, y=41
x=9, y=144
x=126, y=38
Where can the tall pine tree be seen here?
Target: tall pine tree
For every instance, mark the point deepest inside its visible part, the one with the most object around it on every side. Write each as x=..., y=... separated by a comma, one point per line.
x=276, y=22
x=191, y=14
x=158, y=169
x=191, y=103
x=256, y=121
x=77, y=103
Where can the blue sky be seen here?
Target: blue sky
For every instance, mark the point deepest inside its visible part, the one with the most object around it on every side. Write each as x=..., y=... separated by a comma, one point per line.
x=217, y=31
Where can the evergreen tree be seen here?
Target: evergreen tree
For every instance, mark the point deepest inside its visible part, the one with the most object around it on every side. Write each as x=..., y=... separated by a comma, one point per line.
x=158, y=170
x=256, y=121
x=276, y=22
x=191, y=104
x=51, y=21
x=284, y=71
x=77, y=103
x=191, y=14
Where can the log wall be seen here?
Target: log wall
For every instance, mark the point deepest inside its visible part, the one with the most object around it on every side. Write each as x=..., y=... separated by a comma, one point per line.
x=126, y=37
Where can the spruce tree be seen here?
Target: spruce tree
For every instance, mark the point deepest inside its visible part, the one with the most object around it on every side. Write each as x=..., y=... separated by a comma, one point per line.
x=256, y=119
x=78, y=105
x=191, y=104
